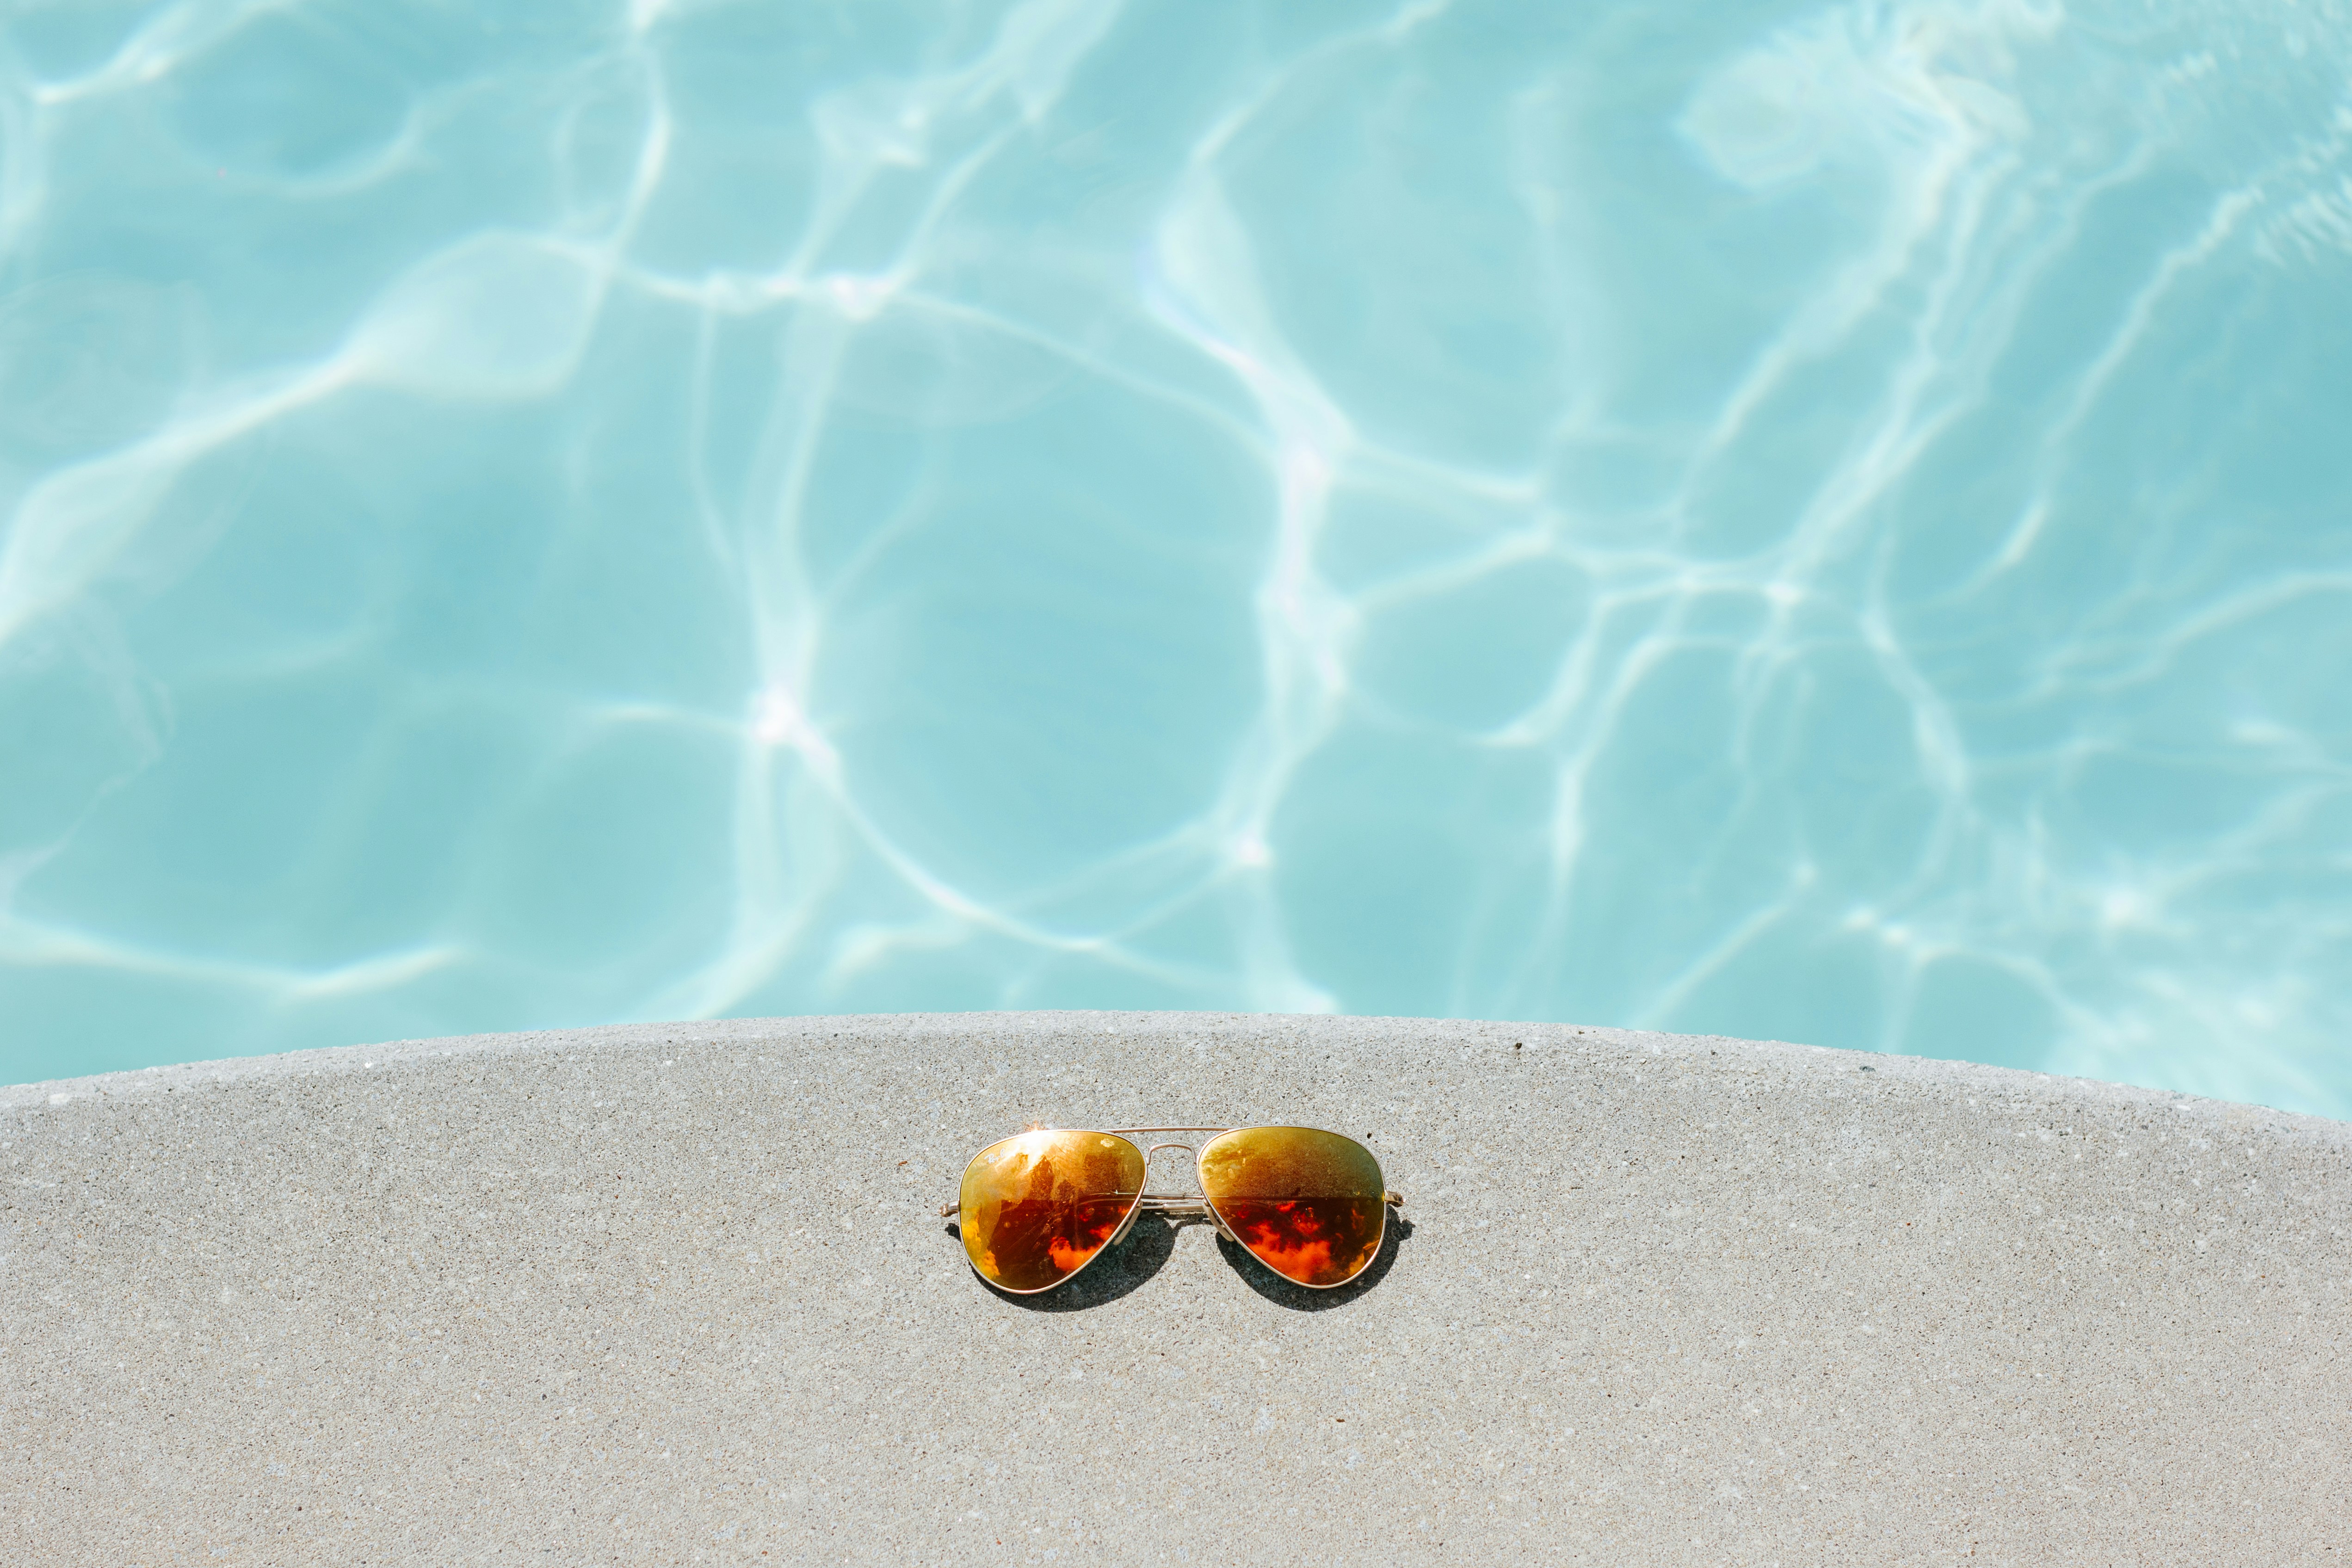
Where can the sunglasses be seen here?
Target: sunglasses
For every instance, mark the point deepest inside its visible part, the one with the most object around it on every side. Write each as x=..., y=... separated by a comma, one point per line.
x=1036, y=1208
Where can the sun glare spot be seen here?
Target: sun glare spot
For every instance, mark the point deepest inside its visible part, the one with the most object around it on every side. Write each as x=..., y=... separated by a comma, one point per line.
x=778, y=720
x=859, y=296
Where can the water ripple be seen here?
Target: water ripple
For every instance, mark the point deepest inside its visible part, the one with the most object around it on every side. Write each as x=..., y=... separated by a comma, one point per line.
x=1823, y=527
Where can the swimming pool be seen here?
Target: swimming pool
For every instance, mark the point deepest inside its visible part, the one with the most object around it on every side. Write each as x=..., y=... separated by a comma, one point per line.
x=1806, y=521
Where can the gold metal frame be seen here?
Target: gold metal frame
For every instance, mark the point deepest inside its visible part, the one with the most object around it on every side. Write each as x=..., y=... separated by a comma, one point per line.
x=1175, y=1203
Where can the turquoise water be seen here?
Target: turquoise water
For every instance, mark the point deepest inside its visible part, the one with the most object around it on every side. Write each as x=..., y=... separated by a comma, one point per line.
x=1802, y=521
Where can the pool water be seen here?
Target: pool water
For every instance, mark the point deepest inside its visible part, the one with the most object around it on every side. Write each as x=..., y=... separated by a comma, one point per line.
x=1826, y=522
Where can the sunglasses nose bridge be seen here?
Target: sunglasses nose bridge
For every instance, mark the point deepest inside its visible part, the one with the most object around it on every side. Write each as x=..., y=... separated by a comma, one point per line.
x=1172, y=1197
x=1181, y=1203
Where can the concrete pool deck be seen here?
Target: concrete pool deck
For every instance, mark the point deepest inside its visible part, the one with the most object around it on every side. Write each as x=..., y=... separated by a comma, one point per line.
x=677, y=1293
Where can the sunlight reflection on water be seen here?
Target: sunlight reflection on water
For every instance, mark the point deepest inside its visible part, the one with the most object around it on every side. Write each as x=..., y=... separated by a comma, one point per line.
x=1822, y=524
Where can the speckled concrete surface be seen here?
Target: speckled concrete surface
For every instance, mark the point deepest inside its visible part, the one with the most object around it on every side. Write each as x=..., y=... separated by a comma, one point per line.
x=676, y=1294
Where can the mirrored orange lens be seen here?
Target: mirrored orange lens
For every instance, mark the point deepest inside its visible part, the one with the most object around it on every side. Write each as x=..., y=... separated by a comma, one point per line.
x=1309, y=1205
x=1037, y=1207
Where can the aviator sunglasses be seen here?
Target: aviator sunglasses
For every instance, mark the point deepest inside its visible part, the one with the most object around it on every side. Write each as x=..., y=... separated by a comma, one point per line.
x=1039, y=1206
